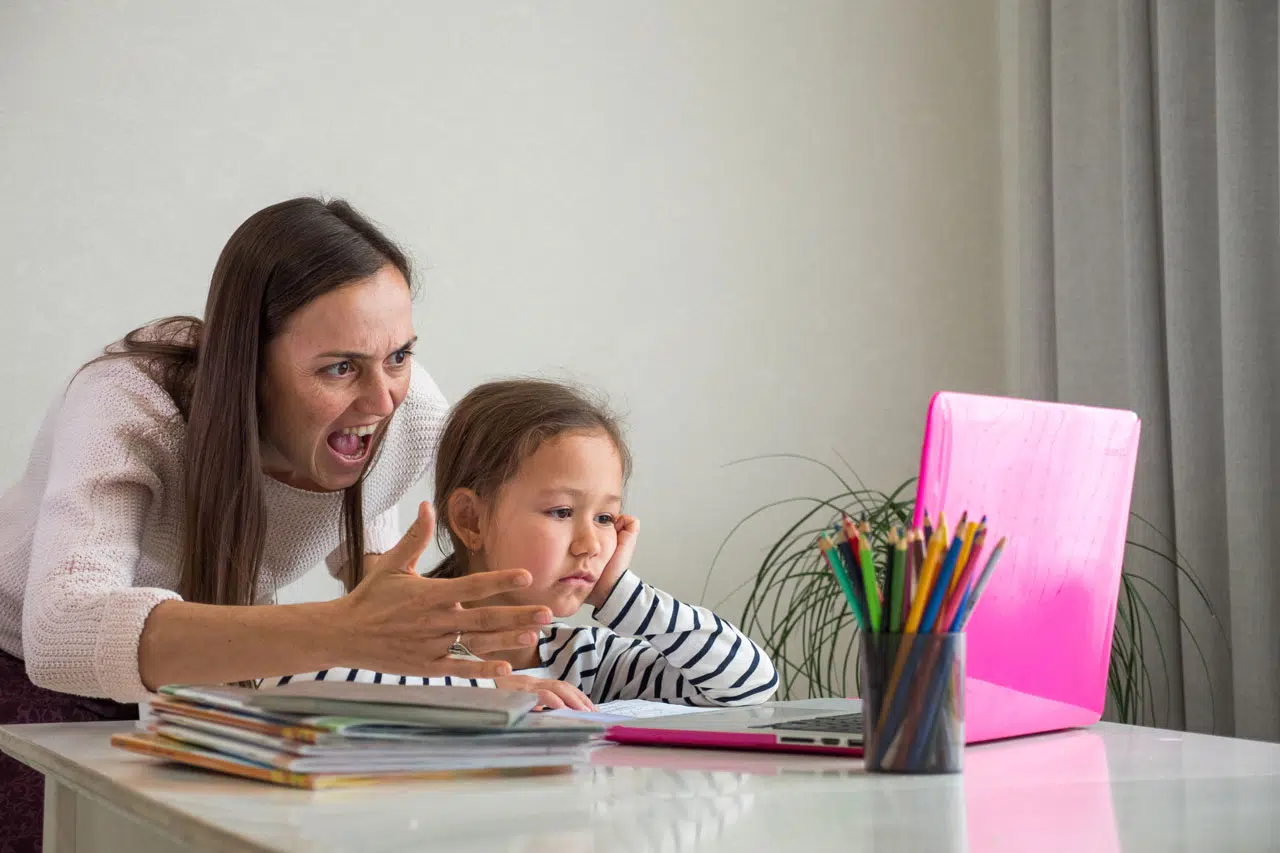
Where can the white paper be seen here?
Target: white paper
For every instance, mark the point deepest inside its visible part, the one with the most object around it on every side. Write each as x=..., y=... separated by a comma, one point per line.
x=630, y=709
x=640, y=708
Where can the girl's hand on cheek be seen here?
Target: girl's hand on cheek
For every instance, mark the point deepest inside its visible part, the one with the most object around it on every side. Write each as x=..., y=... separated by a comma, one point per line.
x=628, y=528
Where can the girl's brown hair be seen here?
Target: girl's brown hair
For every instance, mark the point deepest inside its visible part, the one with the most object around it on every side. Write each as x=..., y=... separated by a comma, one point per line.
x=280, y=259
x=496, y=427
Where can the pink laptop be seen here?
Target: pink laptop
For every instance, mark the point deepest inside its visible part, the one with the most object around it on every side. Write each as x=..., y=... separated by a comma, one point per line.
x=1056, y=480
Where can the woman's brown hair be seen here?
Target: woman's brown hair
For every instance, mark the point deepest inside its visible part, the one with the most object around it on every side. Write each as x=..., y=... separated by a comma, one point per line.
x=277, y=261
x=497, y=426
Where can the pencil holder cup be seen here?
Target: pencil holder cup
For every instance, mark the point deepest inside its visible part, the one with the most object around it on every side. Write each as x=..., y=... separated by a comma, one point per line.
x=913, y=702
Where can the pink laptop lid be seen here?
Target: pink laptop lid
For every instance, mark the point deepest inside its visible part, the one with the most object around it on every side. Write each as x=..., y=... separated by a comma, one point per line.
x=1056, y=480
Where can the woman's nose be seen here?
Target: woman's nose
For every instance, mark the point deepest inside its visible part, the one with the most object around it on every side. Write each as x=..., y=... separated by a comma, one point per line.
x=376, y=397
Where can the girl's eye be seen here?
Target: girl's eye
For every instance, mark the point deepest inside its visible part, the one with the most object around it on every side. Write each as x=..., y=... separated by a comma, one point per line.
x=560, y=512
x=605, y=518
x=342, y=368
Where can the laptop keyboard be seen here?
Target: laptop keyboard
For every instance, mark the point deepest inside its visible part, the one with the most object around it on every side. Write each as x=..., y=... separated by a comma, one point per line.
x=840, y=723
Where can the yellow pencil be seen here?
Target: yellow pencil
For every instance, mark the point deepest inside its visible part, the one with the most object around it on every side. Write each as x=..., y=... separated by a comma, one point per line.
x=920, y=595
x=970, y=530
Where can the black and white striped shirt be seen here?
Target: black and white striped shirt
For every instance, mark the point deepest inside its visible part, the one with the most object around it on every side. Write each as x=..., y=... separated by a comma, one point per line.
x=648, y=645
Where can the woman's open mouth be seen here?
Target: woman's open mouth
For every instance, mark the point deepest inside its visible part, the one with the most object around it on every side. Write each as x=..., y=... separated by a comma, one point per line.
x=351, y=444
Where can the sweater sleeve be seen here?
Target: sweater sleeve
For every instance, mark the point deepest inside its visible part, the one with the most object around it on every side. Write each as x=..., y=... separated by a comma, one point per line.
x=659, y=648
x=82, y=615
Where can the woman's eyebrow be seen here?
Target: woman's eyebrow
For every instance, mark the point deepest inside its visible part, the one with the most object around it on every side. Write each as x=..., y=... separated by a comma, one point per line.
x=351, y=355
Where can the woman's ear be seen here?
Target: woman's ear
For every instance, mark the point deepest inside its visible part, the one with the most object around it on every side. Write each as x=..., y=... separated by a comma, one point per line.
x=465, y=516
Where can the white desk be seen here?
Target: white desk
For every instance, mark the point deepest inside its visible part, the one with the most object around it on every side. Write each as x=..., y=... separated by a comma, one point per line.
x=1103, y=789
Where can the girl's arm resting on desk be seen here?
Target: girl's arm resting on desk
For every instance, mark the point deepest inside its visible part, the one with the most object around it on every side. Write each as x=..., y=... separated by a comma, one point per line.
x=656, y=647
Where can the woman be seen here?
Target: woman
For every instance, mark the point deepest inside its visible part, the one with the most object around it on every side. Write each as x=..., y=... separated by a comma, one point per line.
x=197, y=466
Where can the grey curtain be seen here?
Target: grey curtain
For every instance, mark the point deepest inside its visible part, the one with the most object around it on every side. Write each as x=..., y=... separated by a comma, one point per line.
x=1147, y=276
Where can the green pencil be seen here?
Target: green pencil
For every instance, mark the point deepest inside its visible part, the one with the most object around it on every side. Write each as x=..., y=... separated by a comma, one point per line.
x=832, y=554
x=869, y=577
x=897, y=580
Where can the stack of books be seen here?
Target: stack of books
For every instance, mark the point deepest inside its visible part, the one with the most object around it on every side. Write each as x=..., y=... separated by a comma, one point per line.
x=329, y=734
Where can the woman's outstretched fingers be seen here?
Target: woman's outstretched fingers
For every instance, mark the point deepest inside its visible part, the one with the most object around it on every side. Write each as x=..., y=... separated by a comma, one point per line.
x=484, y=620
x=487, y=642
x=483, y=585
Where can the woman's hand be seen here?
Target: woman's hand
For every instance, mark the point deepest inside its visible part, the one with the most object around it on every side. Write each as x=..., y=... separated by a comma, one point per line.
x=628, y=527
x=396, y=621
x=552, y=694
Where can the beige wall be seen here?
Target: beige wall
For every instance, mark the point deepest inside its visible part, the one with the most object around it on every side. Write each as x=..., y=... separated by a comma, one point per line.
x=760, y=226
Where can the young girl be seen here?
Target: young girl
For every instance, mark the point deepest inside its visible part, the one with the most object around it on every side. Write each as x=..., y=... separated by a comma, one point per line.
x=530, y=475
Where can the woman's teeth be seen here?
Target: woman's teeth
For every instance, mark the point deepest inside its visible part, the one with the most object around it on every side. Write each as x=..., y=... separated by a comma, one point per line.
x=361, y=430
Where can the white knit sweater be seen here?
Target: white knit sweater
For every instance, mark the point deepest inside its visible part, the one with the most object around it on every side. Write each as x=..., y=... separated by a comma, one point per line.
x=91, y=536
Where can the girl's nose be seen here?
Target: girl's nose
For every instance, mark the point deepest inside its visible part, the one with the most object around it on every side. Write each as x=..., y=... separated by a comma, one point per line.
x=587, y=542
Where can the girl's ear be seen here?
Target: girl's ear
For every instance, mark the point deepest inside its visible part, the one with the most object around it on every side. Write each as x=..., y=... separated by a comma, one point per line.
x=465, y=516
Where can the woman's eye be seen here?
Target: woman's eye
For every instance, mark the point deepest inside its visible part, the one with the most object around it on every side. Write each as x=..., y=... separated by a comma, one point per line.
x=605, y=519
x=342, y=368
x=560, y=512
x=400, y=358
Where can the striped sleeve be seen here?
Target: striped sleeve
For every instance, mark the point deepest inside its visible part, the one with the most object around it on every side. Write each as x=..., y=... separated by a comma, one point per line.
x=366, y=676
x=655, y=647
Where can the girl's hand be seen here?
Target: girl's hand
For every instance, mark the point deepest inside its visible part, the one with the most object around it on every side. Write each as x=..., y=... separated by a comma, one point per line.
x=628, y=527
x=552, y=694
x=397, y=621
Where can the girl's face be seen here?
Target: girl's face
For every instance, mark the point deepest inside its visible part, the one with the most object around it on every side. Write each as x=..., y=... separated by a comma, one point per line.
x=333, y=377
x=556, y=518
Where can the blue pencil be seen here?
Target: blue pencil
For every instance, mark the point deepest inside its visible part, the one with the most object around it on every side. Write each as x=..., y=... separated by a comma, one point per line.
x=944, y=580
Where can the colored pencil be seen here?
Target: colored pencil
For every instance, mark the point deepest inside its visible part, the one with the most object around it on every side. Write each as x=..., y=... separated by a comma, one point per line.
x=947, y=569
x=928, y=707
x=971, y=600
x=924, y=584
x=848, y=541
x=897, y=581
x=908, y=575
x=918, y=545
x=832, y=553
x=869, y=576
x=970, y=530
x=891, y=707
x=965, y=576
